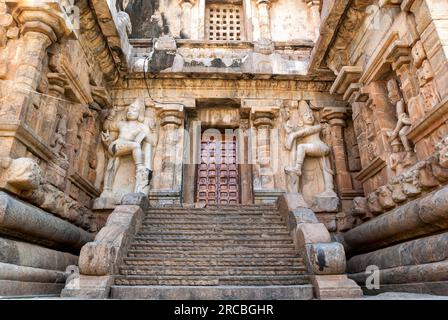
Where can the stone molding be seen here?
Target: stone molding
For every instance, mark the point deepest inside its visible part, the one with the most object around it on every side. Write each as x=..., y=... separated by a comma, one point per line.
x=420, y=179
x=423, y=216
x=24, y=221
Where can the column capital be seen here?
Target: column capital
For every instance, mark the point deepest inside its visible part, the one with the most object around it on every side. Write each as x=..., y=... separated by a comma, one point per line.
x=267, y=2
x=336, y=115
x=264, y=117
x=181, y=2
x=171, y=113
x=42, y=17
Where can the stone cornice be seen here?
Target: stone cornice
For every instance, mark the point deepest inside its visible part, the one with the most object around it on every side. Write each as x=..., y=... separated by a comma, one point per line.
x=97, y=42
x=342, y=22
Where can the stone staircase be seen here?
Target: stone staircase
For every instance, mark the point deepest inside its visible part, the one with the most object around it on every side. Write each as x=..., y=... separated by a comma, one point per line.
x=240, y=252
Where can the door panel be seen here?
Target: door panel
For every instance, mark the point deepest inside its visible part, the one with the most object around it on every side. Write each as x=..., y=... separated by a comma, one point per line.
x=218, y=176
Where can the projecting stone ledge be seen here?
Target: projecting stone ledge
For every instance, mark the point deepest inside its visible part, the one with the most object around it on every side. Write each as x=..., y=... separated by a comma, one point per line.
x=24, y=221
x=420, y=217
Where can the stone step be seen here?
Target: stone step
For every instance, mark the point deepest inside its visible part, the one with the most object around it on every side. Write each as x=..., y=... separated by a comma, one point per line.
x=212, y=220
x=238, y=207
x=228, y=228
x=169, y=252
x=200, y=280
x=214, y=245
x=215, y=212
x=212, y=238
x=219, y=261
x=300, y=292
x=156, y=231
x=191, y=270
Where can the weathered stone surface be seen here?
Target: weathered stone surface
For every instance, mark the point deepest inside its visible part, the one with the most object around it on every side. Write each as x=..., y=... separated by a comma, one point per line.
x=304, y=292
x=137, y=199
x=420, y=251
x=307, y=233
x=89, y=287
x=10, y=288
x=23, y=220
x=28, y=274
x=102, y=256
x=30, y=255
x=422, y=273
x=335, y=287
x=326, y=258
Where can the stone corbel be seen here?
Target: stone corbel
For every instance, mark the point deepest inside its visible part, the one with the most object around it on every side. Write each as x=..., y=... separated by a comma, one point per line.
x=399, y=55
x=347, y=76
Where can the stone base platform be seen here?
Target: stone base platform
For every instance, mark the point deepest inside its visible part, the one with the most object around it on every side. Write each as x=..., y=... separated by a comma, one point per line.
x=300, y=292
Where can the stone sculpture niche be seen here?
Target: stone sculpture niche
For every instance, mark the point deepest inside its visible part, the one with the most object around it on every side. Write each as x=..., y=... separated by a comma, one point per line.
x=130, y=144
x=310, y=173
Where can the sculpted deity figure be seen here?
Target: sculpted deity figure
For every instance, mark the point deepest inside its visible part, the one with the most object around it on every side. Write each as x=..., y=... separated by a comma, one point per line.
x=305, y=137
x=403, y=123
x=135, y=138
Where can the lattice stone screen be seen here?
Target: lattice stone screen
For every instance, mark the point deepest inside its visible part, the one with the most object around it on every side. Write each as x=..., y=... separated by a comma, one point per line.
x=224, y=22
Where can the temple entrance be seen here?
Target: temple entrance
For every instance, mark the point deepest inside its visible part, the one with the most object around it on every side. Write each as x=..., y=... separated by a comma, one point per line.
x=218, y=171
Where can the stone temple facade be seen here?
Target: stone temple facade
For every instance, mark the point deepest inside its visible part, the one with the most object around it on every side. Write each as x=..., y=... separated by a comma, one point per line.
x=257, y=149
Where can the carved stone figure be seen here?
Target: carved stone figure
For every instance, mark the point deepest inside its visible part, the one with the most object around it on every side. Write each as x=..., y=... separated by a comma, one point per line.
x=410, y=184
x=359, y=207
x=429, y=93
x=59, y=139
x=135, y=139
x=442, y=148
x=396, y=159
x=403, y=122
x=303, y=138
x=385, y=198
x=374, y=204
x=397, y=193
x=425, y=77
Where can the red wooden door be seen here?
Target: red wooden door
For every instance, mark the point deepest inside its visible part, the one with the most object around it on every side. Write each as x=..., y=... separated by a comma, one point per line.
x=218, y=177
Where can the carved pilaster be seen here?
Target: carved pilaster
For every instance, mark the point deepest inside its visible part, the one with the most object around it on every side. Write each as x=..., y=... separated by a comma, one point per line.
x=314, y=6
x=186, y=6
x=264, y=18
x=263, y=123
x=336, y=117
x=171, y=120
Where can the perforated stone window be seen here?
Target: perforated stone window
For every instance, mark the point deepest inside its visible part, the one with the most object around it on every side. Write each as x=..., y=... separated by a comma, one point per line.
x=224, y=22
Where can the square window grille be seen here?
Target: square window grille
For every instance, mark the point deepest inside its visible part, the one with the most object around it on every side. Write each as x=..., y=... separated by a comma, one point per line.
x=224, y=22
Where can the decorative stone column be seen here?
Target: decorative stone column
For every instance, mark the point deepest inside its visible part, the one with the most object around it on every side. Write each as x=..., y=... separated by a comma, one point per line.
x=186, y=6
x=171, y=120
x=264, y=18
x=336, y=116
x=263, y=123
